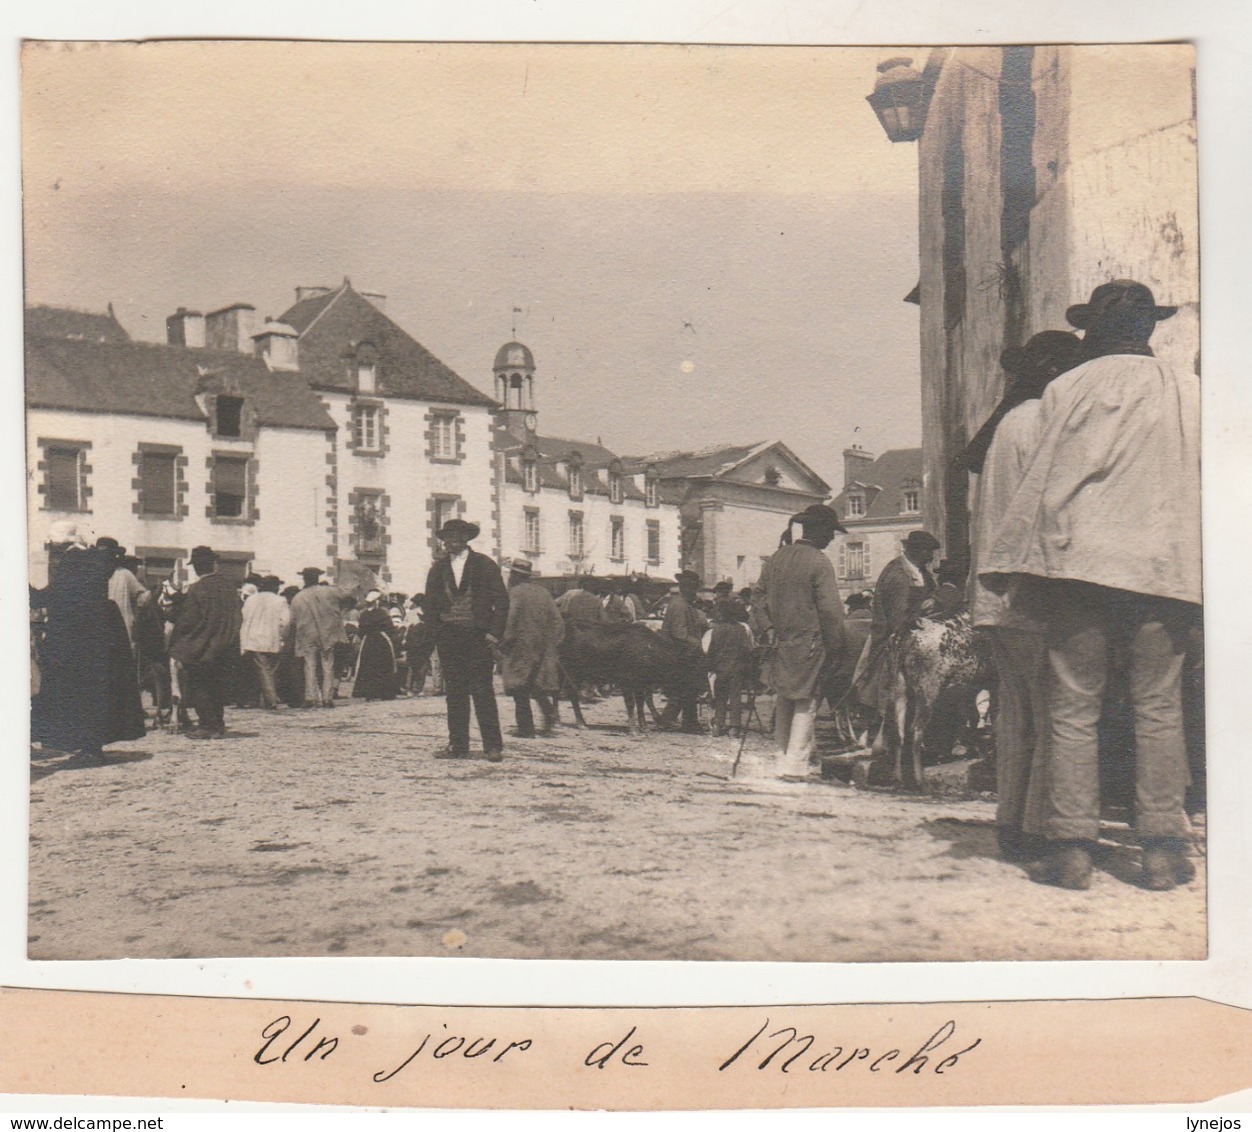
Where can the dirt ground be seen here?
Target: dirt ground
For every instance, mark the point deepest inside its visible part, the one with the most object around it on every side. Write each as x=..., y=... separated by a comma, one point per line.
x=310, y=833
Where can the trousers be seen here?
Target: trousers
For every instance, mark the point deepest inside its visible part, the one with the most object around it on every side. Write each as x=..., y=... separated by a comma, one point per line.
x=210, y=686
x=468, y=665
x=794, y=726
x=266, y=671
x=1021, y=728
x=727, y=692
x=1084, y=620
x=318, y=661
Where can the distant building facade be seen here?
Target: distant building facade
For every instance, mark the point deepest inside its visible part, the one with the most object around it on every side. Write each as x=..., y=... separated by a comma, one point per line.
x=329, y=434
x=734, y=501
x=572, y=506
x=881, y=502
x=1044, y=172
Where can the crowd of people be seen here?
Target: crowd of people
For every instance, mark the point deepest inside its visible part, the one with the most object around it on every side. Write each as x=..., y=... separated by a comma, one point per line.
x=1085, y=554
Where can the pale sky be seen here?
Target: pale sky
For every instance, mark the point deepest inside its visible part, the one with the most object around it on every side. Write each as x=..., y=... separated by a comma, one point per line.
x=615, y=194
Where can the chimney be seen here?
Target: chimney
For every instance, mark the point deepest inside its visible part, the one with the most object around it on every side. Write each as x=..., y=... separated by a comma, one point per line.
x=231, y=328
x=185, y=328
x=303, y=293
x=856, y=462
x=377, y=300
x=277, y=344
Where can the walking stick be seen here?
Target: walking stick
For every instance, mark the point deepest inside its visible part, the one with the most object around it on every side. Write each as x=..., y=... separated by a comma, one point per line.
x=743, y=738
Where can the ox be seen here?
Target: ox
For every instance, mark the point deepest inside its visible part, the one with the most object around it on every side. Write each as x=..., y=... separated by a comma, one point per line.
x=634, y=658
x=931, y=659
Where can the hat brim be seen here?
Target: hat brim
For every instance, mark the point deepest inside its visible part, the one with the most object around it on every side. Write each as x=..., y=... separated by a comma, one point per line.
x=804, y=519
x=1080, y=315
x=462, y=529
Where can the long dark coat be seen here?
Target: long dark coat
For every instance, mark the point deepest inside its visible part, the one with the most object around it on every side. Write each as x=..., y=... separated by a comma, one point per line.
x=532, y=635
x=897, y=602
x=207, y=628
x=88, y=695
x=376, y=658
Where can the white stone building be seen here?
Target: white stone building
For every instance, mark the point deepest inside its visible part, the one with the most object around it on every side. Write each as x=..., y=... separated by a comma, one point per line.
x=734, y=502
x=573, y=506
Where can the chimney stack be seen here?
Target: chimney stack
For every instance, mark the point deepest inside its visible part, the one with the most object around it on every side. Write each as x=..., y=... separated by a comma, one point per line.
x=277, y=344
x=231, y=328
x=185, y=328
x=856, y=461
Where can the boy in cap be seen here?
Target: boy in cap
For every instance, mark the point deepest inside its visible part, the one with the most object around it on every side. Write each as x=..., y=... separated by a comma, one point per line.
x=468, y=608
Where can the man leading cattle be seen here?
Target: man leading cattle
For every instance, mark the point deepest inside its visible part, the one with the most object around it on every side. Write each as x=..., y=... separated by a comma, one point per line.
x=1106, y=525
x=796, y=601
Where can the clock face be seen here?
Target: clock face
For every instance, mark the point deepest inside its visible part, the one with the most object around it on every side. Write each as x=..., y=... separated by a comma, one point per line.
x=531, y=421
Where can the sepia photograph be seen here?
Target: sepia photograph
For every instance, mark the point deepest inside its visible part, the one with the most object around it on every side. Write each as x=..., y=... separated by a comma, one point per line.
x=613, y=502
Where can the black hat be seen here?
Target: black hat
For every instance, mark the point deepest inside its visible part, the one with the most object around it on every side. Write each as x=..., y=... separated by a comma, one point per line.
x=311, y=572
x=922, y=540
x=459, y=529
x=1043, y=351
x=723, y=587
x=688, y=576
x=1120, y=293
x=819, y=515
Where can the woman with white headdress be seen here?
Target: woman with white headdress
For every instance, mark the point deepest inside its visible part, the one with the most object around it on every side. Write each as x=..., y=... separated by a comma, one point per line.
x=376, y=661
x=88, y=695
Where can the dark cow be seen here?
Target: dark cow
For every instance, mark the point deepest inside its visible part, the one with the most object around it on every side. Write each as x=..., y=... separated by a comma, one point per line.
x=632, y=656
x=933, y=658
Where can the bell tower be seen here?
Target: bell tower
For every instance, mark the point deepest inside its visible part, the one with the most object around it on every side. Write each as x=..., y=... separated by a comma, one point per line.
x=514, y=370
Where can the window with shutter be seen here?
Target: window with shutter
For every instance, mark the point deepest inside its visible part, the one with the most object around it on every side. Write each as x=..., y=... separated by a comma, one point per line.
x=230, y=487
x=158, y=493
x=617, y=539
x=654, y=541
x=531, y=529
x=63, y=489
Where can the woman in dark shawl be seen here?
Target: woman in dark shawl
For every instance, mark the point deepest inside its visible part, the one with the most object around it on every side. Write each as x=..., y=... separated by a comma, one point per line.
x=376, y=660
x=88, y=695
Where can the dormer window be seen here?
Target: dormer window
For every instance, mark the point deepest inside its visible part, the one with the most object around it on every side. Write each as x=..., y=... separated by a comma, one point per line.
x=650, y=495
x=912, y=501
x=615, y=487
x=575, y=473
x=228, y=416
x=530, y=476
x=856, y=506
x=367, y=378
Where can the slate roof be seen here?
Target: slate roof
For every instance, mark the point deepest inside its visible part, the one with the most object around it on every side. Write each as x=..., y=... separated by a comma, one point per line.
x=883, y=484
x=553, y=452
x=86, y=326
x=149, y=380
x=331, y=325
x=700, y=462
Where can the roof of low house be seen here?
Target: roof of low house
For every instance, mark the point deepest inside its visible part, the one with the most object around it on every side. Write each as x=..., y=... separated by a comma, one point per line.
x=150, y=380
x=709, y=461
x=332, y=325
x=883, y=483
x=554, y=451
x=83, y=326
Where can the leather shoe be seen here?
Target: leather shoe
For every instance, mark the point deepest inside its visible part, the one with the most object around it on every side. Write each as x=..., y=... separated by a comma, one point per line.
x=1067, y=865
x=494, y=755
x=1165, y=864
x=449, y=753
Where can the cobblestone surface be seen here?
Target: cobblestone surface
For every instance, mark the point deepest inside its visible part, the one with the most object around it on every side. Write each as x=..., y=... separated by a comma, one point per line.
x=336, y=833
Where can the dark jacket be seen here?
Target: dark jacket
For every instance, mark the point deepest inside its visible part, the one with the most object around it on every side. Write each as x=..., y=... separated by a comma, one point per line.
x=490, y=597
x=208, y=623
x=897, y=601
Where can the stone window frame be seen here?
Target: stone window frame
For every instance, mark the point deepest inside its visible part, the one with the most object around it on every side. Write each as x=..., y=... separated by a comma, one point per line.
x=856, y=505
x=84, y=471
x=530, y=470
x=574, y=482
x=916, y=493
x=174, y=553
x=251, y=513
x=529, y=547
x=432, y=516
x=653, y=527
x=458, y=424
x=383, y=442
x=383, y=503
x=581, y=553
x=651, y=489
x=243, y=558
x=247, y=415
x=617, y=527
x=181, y=508
x=616, y=483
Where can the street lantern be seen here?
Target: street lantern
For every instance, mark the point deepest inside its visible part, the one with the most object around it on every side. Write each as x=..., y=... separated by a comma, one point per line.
x=899, y=99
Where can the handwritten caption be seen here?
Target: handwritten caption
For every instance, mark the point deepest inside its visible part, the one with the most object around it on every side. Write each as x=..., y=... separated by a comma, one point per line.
x=771, y=1048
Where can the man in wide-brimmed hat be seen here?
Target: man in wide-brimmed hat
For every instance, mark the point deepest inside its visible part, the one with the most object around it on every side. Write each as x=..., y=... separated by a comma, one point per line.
x=468, y=606
x=685, y=625
x=797, y=605
x=1105, y=526
x=205, y=641
x=1000, y=453
x=529, y=666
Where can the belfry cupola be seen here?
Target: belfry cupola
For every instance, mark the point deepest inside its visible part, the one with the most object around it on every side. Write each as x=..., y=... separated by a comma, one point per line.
x=514, y=370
